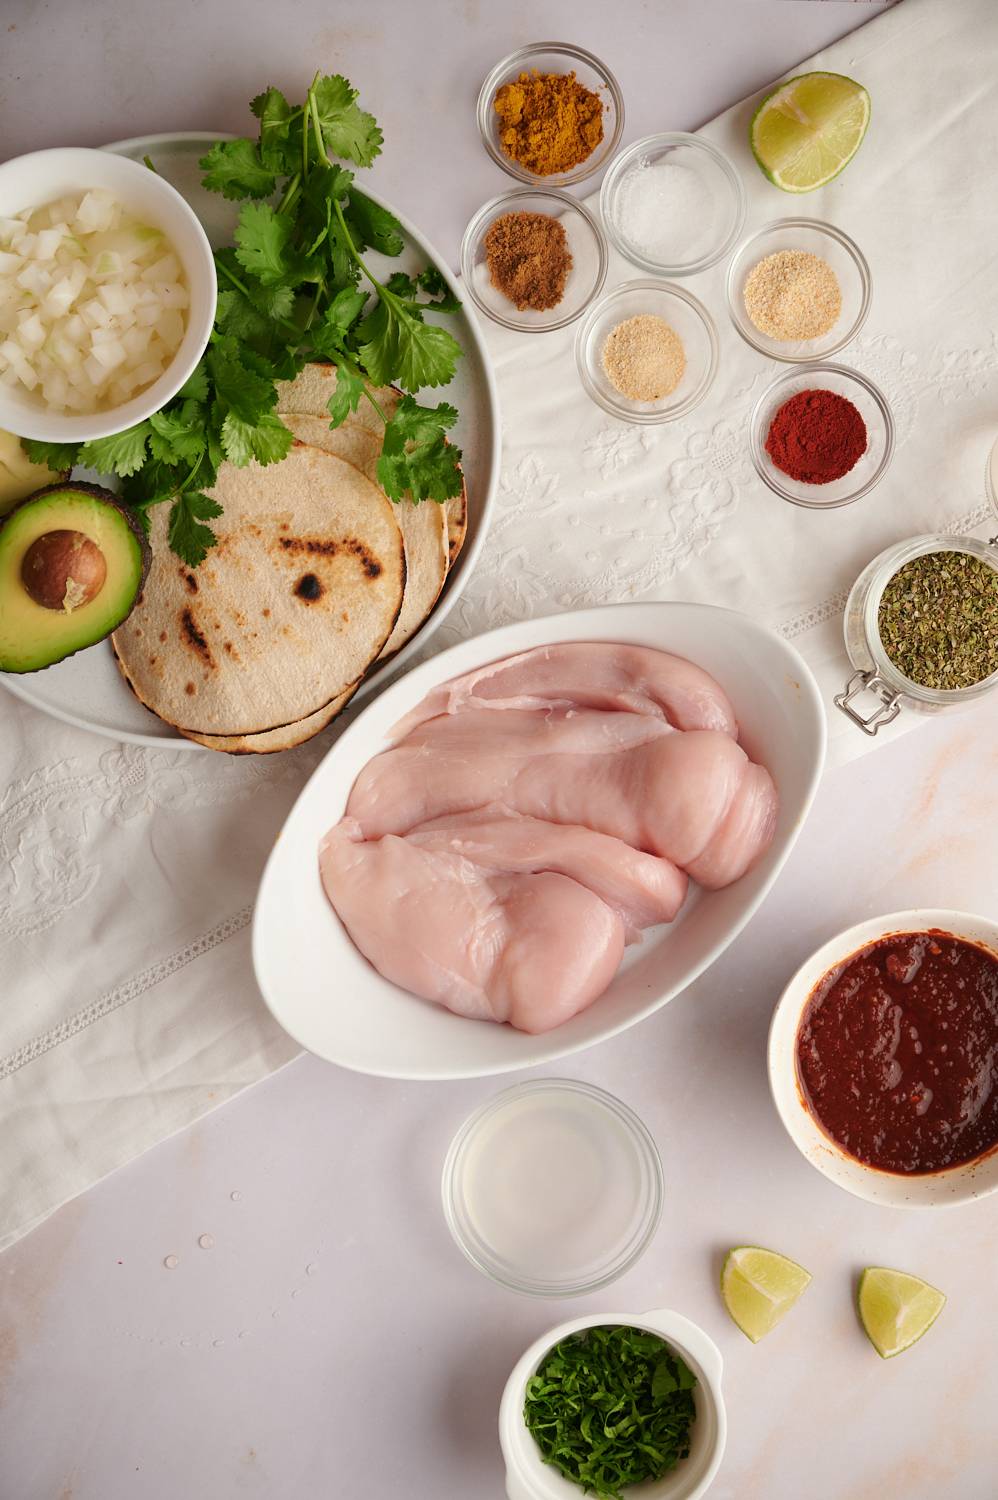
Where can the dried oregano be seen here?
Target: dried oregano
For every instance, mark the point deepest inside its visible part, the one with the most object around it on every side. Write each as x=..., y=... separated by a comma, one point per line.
x=938, y=620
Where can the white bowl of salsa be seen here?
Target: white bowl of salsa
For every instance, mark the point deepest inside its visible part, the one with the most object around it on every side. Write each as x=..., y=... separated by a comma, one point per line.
x=882, y=1056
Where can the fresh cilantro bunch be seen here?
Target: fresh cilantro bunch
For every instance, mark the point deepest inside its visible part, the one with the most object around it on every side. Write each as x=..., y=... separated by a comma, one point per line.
x=293, y=288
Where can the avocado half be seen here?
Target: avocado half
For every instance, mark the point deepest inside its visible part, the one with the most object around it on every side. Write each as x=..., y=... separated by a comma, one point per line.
x=98, y=559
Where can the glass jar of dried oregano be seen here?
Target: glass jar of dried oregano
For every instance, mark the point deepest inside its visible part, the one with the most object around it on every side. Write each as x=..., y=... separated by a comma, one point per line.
x=921, y=629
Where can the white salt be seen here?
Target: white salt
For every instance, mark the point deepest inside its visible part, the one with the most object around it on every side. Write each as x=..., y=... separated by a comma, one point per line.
x=666, y=212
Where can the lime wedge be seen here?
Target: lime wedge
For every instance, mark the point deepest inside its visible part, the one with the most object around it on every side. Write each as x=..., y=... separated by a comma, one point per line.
x=759, y=1286
x=896, y=1309
x=808, y=129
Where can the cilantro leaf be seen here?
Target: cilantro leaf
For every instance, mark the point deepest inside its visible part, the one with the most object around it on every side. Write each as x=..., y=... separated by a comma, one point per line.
x=246, y=393
x=122, y=453
x=196, y=384
x=188, y=537
x=262, y=240
x=329, y=336
x=234, y=169
x=397, y=347
x=416, y=458
x=346, y=397
x=274, y=113
x=346, y=129
x=58, y=456
x=177, y=435
x=433, y=284
x=267, y=440
x=373, y=225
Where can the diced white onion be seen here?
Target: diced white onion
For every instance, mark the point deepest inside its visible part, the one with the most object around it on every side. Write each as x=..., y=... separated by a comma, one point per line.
x=92, y=302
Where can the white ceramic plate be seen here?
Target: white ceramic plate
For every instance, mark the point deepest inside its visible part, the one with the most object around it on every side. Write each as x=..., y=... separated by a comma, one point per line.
x=959, y=1184
x=334, y=1003
x=87, y=689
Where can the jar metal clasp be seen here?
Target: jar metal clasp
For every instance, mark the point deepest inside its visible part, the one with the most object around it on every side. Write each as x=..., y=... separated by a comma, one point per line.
x=888, y=701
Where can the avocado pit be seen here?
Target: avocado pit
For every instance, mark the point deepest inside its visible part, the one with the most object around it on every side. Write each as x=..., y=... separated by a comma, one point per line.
x=63, y=570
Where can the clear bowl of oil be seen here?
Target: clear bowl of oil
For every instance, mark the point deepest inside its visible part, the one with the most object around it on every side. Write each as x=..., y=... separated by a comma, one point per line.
x=553, y=1187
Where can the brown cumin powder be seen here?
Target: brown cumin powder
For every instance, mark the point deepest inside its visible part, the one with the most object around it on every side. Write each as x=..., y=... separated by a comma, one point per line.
x=528, y=259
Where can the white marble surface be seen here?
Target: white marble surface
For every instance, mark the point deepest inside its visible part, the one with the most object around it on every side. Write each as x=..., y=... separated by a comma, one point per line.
x=332, y=1341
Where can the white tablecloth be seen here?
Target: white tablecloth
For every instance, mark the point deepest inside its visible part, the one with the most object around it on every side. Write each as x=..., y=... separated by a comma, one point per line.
x=127, y=875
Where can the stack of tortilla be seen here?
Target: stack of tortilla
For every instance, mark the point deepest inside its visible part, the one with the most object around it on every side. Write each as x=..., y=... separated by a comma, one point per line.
x=316, y=577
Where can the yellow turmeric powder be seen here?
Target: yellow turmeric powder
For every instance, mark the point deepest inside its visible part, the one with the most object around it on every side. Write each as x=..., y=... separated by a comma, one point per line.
x=548, y=122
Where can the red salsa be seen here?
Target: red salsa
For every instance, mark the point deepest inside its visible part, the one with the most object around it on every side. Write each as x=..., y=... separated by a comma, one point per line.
x=897, y=1052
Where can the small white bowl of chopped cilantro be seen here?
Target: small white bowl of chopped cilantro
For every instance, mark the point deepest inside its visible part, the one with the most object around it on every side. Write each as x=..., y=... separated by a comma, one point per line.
x=107, y=294
x=583, y=1379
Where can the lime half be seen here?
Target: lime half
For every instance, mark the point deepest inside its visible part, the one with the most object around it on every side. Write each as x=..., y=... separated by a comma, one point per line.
x=808, y=129
x=896, y=1309
x=759, y=1287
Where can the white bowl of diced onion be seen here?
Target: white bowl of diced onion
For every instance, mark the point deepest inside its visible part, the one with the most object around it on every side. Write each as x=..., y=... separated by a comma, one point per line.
x=107, y=294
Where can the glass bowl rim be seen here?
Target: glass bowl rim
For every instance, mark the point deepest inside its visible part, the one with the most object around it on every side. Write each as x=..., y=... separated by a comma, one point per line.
x=848, y=244
x=516, y=60
x=584, y=333
x=513, y=195
x=846, y=372
x=617, y=170
x=639, y=1134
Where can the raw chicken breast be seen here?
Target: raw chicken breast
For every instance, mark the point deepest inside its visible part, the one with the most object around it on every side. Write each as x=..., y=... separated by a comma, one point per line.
x=586, y=674
x=531, y=949
x=661, y=791
x=643, y=889
x=533, y=816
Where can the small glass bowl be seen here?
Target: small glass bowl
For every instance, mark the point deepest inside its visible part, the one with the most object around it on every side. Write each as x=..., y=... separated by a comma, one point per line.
x=553, y=57
x=510, y=1202
x=876, y=675
x=681, y=310
x=585, y=241
x=872, y=407
x=838, y=250
x=713, y=172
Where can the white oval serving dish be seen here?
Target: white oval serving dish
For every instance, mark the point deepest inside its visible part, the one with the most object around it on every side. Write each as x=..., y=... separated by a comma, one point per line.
x=528, y=1477
x=962, y=1183
x=327, y=996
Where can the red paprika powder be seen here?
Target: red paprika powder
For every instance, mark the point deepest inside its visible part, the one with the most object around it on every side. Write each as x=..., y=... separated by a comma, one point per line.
x=816, y=436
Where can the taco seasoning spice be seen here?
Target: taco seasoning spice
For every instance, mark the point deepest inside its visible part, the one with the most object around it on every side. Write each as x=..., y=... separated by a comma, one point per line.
x=644, y=358
x=528, y=259
x=548, y=122
x=938, y=620
x=816, y=437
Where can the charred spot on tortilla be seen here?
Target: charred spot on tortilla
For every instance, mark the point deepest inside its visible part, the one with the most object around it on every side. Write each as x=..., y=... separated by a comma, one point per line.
x=190, y=689
x=371, y=566
x=308, y=587
x=315, y=546
x=191, y=582
x=162, y=635
x=195, y=639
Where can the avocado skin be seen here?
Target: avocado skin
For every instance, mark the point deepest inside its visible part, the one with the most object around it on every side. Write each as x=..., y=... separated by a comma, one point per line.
x=125, y=514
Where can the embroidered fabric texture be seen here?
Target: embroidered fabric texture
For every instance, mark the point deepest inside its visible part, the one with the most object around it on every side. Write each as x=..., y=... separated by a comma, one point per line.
x=127, y=874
